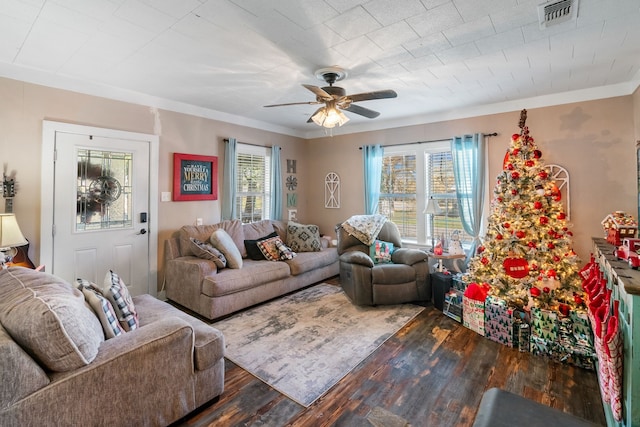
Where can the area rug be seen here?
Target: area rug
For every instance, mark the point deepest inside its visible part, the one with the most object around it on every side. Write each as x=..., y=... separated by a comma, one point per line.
x=304, y=343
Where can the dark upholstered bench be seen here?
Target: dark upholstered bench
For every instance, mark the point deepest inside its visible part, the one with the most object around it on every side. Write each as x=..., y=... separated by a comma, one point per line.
x=499, y=408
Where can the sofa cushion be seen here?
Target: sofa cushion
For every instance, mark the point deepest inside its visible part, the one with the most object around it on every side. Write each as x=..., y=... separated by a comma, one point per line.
x=255, y=230
x=221, y=240
x=307, y=261
x=252, y=274
x=303, y=237
x=253, y=251
x=203, y=233
x=392, y=273
x=205, y=250
x=102, y=308
x=208, y=341
x=115, y=290
x=48, y=318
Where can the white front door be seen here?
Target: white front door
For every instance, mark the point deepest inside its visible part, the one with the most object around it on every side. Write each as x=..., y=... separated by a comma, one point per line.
x=101, y=210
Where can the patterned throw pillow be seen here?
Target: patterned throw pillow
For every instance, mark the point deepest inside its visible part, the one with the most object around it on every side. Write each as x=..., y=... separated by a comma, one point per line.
x=303, y=238
x=253, y=251
x=206, y=251
x=116, y=291
x=269, y=248
x=102, y=308
x=380, y=252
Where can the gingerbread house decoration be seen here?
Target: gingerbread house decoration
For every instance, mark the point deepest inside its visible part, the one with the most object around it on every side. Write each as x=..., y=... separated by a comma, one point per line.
x=618, y=226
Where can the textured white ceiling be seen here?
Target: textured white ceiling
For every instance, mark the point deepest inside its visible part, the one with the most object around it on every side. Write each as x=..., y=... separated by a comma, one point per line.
x=227, y=58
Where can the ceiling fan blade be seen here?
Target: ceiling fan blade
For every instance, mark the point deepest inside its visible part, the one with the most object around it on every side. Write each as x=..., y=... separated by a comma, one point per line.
x=362, y=111
x=294, y=103
x=378, y=94
x=320, y=93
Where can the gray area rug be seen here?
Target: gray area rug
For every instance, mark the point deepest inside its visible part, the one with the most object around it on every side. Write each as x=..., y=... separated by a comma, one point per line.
x=304, y=343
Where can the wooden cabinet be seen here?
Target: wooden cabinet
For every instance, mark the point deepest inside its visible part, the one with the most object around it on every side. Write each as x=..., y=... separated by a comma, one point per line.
x=624, y=283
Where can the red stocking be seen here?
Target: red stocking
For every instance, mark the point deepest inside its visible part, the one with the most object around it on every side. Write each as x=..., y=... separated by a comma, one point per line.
x=599, y=332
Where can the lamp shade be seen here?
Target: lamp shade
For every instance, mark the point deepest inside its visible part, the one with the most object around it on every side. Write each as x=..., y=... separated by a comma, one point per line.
x=432, y=207
x=329, y=116
x=10, y=234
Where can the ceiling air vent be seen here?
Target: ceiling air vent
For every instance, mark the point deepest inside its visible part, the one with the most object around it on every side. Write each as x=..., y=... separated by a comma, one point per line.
x=556, y=12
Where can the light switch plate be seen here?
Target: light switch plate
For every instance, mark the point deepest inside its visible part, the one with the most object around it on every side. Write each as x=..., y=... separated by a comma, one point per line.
x=165, y=196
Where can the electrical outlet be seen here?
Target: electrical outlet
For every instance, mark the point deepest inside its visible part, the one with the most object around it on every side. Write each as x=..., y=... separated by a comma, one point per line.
x=165, y=196
x=198, y=221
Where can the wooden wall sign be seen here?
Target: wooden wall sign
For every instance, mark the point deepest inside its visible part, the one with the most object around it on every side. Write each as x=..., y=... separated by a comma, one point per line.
x=195, y=177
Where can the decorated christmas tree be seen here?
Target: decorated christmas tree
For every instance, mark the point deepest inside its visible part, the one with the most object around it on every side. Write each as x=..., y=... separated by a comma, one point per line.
x=526, y=256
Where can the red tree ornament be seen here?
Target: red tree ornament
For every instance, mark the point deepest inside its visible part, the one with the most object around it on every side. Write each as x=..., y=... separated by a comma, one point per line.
x=517, y=268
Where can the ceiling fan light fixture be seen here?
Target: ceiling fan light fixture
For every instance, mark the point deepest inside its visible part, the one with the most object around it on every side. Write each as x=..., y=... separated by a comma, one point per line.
x=329, y=117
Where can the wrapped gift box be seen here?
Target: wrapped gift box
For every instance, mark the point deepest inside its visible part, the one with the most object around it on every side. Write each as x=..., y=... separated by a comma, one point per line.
x=502, y=323
x=565, y=339
x=498, y=320
x=473, y=314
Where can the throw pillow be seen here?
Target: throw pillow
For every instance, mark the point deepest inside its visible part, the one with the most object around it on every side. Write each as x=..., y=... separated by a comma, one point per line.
x=269, y=248
x=303, y=238
x=380, y=252
x=206, y=251
x=118, y=295
x=48, y=318
x=221, y=240
x=253, y=251
x=102, y=308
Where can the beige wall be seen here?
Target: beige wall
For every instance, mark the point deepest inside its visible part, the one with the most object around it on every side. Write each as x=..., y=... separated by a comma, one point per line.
x=24, y=106
x=594, y=140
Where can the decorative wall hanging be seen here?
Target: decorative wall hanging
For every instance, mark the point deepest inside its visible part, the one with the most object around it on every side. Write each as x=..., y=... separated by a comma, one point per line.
x=293, y=215
x=332, y=191
x=291, y=166
x=292, y=200
x=292, y=183
x=195, y=177
x=561, y=176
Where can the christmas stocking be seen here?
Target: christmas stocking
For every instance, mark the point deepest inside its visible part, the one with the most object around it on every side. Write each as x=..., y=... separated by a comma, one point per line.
x=613, y=349
x=599, y=332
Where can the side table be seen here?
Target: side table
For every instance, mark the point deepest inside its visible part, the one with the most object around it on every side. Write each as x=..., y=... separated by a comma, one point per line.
x=446, y=255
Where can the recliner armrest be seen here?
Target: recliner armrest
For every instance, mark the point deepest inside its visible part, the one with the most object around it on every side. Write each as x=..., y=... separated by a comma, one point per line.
x=408, y=256
x=356, y=257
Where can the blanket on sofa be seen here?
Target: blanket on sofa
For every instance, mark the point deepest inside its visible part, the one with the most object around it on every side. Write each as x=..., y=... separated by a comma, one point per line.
x=364, y=227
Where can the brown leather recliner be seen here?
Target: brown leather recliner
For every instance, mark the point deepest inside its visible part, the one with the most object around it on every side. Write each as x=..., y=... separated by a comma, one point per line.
x=365, y=283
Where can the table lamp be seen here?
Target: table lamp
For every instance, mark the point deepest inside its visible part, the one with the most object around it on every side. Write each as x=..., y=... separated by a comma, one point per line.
x=433, y=209
x=10, y=237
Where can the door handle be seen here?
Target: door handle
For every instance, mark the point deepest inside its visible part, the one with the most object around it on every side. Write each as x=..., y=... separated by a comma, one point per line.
x=142, y=231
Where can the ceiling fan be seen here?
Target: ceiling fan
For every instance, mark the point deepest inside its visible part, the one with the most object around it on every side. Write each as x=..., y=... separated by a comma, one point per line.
x=336, y=100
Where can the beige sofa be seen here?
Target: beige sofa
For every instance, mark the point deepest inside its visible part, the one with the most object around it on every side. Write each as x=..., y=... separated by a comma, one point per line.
x=57, y=368
x=197, y=284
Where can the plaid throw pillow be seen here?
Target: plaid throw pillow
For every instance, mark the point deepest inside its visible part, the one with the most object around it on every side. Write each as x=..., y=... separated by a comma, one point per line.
x=285, y=251
x=118, y=294
x=102, y=308
x=206, y=251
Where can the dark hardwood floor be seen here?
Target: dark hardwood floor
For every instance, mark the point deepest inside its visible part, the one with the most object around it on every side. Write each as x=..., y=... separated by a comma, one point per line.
x=431, y=373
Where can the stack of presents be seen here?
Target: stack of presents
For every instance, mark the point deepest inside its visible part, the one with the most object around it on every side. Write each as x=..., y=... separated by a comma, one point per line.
x=563, y=337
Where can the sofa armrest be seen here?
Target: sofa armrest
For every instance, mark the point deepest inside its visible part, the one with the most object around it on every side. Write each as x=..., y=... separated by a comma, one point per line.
x=184, y=277
x=154, y=361
x=357, y=257
x=408, y=256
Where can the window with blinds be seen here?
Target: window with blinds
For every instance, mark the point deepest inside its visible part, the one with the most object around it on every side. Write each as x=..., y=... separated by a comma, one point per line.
x=411, y=174
x=253, y=198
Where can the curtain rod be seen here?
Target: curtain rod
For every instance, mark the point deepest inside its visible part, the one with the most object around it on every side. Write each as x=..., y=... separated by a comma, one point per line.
x=433, y=140
x=248, y=143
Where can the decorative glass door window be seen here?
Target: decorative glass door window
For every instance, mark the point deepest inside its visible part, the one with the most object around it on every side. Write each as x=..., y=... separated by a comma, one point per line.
x=104, y=189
